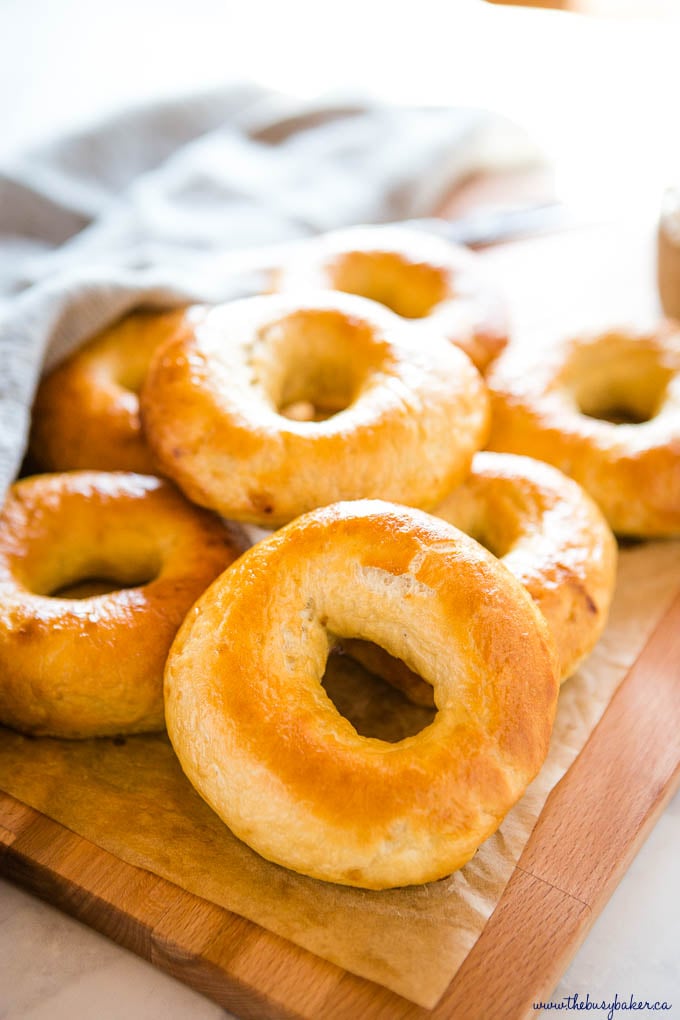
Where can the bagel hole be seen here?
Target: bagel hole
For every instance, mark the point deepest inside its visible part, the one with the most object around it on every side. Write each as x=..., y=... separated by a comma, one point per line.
x=131, y=373
x=135, y=341
x=309, y=410
x=495, y=529
x=619, y=380
x=616, y=414
x=91, y=587
x=411, y=289
x=354, y=681
x=92, y=577
x=133, y=384
x=313, y=363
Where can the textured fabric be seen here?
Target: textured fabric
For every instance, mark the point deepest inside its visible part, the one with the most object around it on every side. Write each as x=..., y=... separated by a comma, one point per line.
x=184, y=200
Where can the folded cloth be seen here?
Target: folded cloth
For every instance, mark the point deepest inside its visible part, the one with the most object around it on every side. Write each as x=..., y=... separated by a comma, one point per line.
x=174, y=202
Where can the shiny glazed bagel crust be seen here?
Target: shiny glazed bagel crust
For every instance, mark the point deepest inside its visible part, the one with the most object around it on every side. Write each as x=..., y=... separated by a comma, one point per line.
x=418, y=275
x=261, y=741
x=553, y=403
x=81, y=667
x=86, y=412
x=550, y=534
x=404, y=418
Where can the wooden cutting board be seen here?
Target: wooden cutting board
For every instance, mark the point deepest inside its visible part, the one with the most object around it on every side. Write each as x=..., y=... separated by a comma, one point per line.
x=582, y=844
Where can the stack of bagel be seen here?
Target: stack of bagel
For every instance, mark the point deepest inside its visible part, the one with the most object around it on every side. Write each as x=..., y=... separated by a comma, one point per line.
x=438, y=505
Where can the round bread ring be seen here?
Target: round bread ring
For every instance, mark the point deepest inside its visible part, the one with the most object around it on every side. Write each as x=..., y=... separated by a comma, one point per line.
x=265, y=746
x=409, y=416
x=418, y=275
x=549, y=404
x=83, y=667
x=550, y=534
x=86, y=411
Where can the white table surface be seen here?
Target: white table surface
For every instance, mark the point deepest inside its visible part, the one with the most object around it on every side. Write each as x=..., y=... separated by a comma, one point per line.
x=63, y=62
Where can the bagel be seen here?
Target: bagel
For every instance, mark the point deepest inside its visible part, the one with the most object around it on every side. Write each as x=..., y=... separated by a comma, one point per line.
x=549, y=534
x=604, y=409
x=399, y=420
x=82, y=667
x=86, y=411
x=417, y=275
x=264, y=745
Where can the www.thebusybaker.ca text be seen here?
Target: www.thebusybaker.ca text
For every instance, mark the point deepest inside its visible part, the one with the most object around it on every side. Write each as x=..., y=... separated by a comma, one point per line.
x=610, y=1007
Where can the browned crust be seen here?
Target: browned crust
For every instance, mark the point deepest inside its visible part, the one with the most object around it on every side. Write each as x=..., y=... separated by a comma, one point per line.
x=93, y=666
x=83, y=415
x=259, y=739
x=387, y=263
x=550, y=534
x=418, y=412
x=632, y=471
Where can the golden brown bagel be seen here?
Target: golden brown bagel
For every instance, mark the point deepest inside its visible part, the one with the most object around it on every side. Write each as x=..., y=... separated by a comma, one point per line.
x=264, y=745
x=81, y=667
x=405, y=418
x=605, y=409
x=86, y=412
x=418, y=275
x=549, y=534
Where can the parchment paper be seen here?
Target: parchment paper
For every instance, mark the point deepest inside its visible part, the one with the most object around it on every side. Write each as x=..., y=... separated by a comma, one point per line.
x=133, y=800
